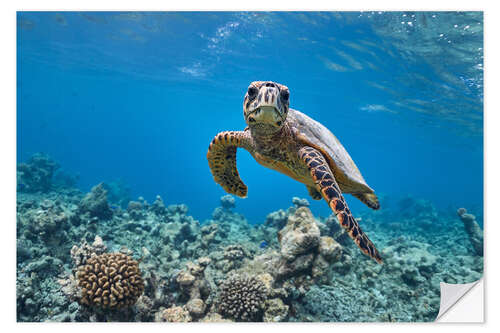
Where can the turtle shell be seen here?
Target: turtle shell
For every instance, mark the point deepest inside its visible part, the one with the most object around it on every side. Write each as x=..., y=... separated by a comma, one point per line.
x=314, y=134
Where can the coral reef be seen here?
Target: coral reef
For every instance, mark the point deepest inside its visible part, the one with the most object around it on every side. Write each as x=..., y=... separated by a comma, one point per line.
x=195, y=288
x=110, y=280
x=175, y=314
x=80, y=254
x=473, y=230
x=36, y=175
x=303, y=250
x=300, y=235
x=306, y=270
x=276, y=310
x=227, y=202
x=95, y=203
x=118, y=192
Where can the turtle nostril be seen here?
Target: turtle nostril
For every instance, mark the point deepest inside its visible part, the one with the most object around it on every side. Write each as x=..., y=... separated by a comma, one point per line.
x=270, y=84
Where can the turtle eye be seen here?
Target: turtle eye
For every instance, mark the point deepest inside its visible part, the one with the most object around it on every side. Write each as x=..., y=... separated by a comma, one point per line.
x=252, y=92
x=285, y=95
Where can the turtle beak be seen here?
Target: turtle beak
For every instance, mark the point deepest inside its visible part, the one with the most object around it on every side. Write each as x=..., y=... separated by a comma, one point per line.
x=266, y=115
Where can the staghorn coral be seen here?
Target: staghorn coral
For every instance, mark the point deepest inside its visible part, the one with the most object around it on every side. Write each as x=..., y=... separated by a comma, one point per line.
x=110, y=281
x=473, y=230
x=242, y=298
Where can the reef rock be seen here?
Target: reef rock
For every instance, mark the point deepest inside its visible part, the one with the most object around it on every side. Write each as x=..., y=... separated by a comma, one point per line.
x=80, y=254
x=158, y=207
x=96, y=203
x=228, y=202
x=194, y=286
x=473, y=230
x=299, y=235
x=175, y=314
x=298, y=202
x=303, y=252
x=135, y=210
x=276, y=310
x=36, y=175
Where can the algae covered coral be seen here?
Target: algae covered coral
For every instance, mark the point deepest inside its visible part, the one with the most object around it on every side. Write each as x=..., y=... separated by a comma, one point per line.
x=294, y=266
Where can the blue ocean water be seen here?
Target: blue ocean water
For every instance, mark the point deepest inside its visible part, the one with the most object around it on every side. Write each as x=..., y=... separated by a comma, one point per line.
x=139, y=96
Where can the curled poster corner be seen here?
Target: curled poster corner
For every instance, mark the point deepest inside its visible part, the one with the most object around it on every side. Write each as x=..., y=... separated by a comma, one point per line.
x=461, y=302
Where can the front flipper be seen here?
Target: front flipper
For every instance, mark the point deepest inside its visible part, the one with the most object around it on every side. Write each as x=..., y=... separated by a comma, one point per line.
x=329, y=189
x=222, y=161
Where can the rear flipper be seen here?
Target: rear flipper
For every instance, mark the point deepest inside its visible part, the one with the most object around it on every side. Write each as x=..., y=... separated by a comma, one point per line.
x=369, y=199
x=313, y=192
x=330, y=190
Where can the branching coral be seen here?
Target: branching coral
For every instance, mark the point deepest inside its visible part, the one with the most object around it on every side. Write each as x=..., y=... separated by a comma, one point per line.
x=109, y=281
x=242, y=298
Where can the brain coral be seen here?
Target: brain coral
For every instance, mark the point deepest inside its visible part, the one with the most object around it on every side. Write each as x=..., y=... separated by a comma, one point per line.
x=110, y=281
x=242, y=298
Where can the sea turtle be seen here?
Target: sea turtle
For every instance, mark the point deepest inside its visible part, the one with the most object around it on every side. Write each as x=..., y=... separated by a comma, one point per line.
x=292, y=143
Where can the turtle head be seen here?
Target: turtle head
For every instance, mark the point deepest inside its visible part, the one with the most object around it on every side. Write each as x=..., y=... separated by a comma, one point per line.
x=266, y=105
